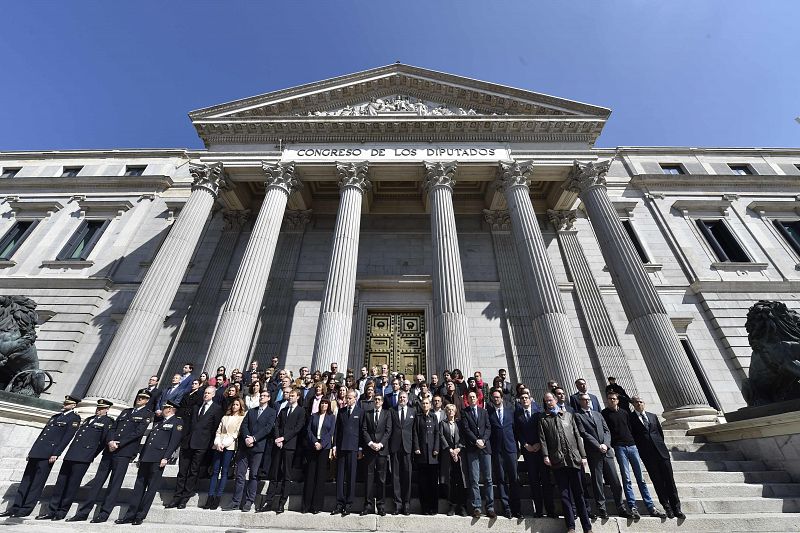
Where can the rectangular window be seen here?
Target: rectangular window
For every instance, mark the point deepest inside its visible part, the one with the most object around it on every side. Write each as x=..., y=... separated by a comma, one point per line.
x=635, y=240
x=708, y=391
x=790, y=231
x=672, y=168
x=743, y=170
x=83, y=240
x=131, y=170
x=14, y=238
x=9, y=172
x=70, y=172
x=722, y=241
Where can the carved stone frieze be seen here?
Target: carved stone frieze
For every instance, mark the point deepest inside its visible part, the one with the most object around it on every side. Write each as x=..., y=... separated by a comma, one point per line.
x=207, y=176
x=354, y=175
x=586, y=175
x=514, y=174
x=498, y=220
x=296, y=219
x=396, y=105
x=281, y=176
x=439, y=174
x=562, y=220
x=235, y=219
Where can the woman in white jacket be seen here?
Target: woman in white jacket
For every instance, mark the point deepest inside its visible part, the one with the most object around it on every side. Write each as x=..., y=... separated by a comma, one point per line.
x=223, y=449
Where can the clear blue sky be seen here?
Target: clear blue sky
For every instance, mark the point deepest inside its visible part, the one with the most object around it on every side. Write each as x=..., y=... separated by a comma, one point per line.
x=108, y=74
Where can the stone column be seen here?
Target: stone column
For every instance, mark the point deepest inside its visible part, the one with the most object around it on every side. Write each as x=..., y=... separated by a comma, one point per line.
x=610, y=356
x=237, y=325
x=145, y=317
x=672, y=374
x=451, y=331
x=332, y=343
x=554, y=335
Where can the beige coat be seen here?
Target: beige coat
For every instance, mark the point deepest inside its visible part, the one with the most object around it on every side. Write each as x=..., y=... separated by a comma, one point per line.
x=228, y=431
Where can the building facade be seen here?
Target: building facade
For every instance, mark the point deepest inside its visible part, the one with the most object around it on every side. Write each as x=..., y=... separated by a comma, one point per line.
x=407, y=217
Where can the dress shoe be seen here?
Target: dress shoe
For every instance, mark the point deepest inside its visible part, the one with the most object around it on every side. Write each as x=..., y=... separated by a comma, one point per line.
x=345, y=512
x=181, y=505
x=122, y=520
x=655, y=513
x=507, y=515
x=246, y=508
x=491, y=514
x=635, y=513
x=279, y=510
x=137, y=522
x=77, y=518
x=6, y=514
x=592, y=516
x=603, y=514
x=336, y=511
x=365, y=512
x=315, y=511
x=518, y=516
x=451, y=511
x=406, y=512
x=552, y=515
x=172, y=505
x=381, y=512
x=58, y=517
x=98, y=520
x=476, y=513
x=230, y=508
x=45, y=516
x=679, y=515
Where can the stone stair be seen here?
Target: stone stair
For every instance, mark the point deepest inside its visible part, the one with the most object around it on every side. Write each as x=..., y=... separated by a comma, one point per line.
x=720, y=491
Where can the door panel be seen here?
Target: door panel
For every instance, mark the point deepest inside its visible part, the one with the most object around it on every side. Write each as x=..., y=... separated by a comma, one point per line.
x=396, y=339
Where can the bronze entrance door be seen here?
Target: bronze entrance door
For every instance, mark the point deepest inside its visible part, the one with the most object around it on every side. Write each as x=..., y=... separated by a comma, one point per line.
x=396, y=339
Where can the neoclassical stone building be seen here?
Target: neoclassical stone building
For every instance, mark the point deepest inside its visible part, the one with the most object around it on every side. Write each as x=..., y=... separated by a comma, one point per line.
x=408, y=217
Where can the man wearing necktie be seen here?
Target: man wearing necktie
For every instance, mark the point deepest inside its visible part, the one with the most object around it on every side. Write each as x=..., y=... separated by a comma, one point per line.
x=376, y=432
x=526, y=427
x=477, y=432
x=649, y=437
x=504, y=455
x=346, y=451
x=401, y=449
x=291, y=421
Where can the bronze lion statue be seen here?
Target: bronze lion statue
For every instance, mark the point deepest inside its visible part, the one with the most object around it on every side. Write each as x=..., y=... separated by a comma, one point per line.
x=19, y=363
x=773, y=331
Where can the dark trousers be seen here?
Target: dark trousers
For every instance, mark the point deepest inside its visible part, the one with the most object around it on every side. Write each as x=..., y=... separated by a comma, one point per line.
x=316, y=476
x=148, y=480
x=346, y=463
x=603, y=471
x=189, y=465
x=401, y=478
x=117, y=467
x=663, y=479
x=540, y=484
x=505, y=475
x=31, y=486
x=285, y=476
x=455, y=488
x=376, y=480
x=67, y=485
x=246, y=462
x=427, y=482
x=570, y=484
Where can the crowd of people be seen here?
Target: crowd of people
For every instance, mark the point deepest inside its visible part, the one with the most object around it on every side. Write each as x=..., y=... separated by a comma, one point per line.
x=456, y=437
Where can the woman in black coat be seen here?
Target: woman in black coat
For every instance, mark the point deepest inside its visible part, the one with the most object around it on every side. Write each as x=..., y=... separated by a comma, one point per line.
x=320, y=441
x=426, y=455
x=452, y=471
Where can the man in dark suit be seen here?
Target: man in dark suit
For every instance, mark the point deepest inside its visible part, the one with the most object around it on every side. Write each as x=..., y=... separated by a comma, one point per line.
x=562, y=402
x=290, y=425
x=393, y=397
x=649, y=437
x=526, y=427
x=401, y=447
x=256, y=428
x=476, y=431
x=600, y=455
x=575, y=399
x=376, y=431
x=51, y=442
x=89, y=441
x=121, y=448
x=155, y=393
x=162, y=441
x=504, y=454
x=173, y=394
x=198, y=435
x=347, y=451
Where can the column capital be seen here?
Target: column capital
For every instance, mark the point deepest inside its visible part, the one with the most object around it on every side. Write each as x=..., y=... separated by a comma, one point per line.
x=439, y=174
x=281, y=176
x=498, y=220
x=210, y=177
x=562, y=220
x=514, y=174
x=584, y=176
x=235, y=219
x=296, y=220
x=354, y=175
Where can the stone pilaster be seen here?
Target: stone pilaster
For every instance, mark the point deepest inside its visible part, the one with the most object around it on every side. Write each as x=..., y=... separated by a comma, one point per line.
x=554, y=335
x=610, y=356
x=332, y=342
x=145, y=317
x=237, y=325
x=451, y=331
x=672, y=374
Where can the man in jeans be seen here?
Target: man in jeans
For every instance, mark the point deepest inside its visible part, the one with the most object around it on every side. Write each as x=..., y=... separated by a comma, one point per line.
x=627, y=456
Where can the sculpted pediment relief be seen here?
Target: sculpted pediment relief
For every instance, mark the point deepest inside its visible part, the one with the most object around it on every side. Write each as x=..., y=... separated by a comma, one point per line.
x=398, y=105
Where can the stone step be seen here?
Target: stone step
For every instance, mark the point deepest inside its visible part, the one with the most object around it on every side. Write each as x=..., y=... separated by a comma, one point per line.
x=724, y=455
x=710, y=465
x=683, y=439
x=767, y=476
x=697, y=447
x=725, y=490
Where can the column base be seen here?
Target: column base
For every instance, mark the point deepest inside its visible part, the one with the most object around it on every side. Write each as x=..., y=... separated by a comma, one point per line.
x=690, y=417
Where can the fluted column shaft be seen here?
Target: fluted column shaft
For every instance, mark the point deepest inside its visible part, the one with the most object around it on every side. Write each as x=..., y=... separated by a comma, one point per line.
x=145, y=317
x=231, y=344
x=554, y=335
x=672, y=374
x=451, y=332
x=332, y=342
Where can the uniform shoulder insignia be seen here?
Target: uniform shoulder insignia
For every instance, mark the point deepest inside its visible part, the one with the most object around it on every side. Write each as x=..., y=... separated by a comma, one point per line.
x=180, y=428
x=74, y=424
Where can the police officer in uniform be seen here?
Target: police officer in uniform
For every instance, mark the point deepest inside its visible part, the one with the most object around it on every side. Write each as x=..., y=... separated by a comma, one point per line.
x=50, y=443
x=119, y=451
x=161, y=443
x=90, y=440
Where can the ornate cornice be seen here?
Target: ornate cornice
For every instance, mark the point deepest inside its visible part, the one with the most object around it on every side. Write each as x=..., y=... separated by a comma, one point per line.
x=210, y=177
x=439, y=174
x=562, y=220
x=498, y=220
x=354, y=175
x=235, y=219
x=513, y=174
x=584, y=176
x=281, y=176
x=296, y=220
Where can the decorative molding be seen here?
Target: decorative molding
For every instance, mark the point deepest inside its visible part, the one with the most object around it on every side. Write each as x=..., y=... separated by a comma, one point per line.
x=762, y=207
x=513, y=174
x=32, y=207
x=7, y=263
x=395, y=105
x=281, y=176
x=584, y=176
x=174, y=205
x=210, y=177
x=354, y=175
x=100, y=208
x=296, y=220
x=67, y=186
x=681, y=323
x=625, y=207
x=439, y=174
x=701, y=205
x=710, y=184
x=234, y=220
x=562, y=220
x=498, y=220
x=739, y=266
x=72, y=263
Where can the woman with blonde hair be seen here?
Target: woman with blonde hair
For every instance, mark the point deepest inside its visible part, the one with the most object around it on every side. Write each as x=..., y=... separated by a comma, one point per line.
x=223, y=449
